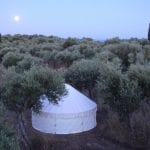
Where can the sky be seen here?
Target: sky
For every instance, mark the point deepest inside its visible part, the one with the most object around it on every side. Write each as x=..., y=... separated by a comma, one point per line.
x=97, y=19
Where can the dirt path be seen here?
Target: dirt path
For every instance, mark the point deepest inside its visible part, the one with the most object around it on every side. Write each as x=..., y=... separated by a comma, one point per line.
x=82, y=141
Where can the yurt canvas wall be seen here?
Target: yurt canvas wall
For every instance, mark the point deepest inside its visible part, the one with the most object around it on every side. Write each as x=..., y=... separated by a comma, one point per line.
x=74, y=113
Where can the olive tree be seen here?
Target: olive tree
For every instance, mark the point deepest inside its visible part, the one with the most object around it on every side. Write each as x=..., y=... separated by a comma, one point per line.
x=119, y=92
x=83, y=75
x=27, y=62
x=11, y=59
x=4, y=51
x=125, y=51
x=141, y=73
x=69, y=42
x=88, y=50
x=67, y=57
x=21, y=92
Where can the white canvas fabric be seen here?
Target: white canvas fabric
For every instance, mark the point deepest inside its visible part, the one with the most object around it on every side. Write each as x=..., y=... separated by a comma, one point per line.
x=74, y=113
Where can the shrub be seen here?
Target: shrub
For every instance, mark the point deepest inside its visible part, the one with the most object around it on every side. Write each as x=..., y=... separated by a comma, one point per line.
x=112, y=128
x=140, y=127
x=8, y=139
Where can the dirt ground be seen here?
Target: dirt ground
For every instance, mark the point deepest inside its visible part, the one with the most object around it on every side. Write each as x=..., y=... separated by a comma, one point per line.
x=89, y=140
x=83, y=141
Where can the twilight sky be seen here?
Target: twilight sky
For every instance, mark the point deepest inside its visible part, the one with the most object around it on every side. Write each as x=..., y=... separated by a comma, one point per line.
x=98, y=19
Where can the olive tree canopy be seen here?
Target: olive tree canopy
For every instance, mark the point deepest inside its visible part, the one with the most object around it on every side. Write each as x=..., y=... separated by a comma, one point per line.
x=21, y=91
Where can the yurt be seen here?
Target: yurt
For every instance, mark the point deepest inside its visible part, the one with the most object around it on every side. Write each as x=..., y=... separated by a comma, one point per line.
x=74, y=113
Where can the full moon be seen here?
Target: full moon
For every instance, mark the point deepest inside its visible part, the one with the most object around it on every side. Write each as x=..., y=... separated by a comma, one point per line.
x=17, y=18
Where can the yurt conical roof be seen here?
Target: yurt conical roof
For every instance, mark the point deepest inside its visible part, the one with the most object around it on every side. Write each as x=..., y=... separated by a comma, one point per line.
x=73, y=102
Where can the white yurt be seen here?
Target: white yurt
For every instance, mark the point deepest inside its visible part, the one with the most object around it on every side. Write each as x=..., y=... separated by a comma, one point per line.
x=74, y=113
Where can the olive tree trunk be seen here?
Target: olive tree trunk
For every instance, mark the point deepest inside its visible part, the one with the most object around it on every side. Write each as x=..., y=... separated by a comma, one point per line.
x=22, y=132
